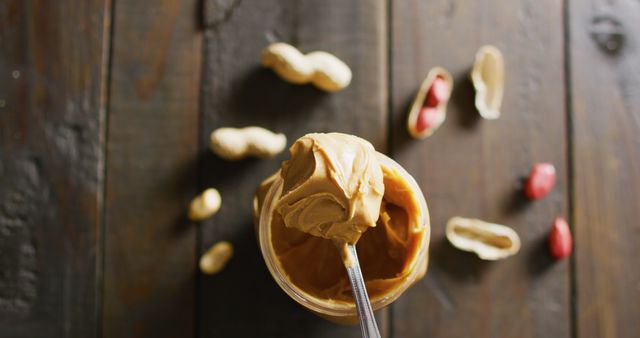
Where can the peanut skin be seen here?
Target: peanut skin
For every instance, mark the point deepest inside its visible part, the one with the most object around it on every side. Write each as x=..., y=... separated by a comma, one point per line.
x=324, y=70
x=540, y=181
x=560, y=241
x=237, y=143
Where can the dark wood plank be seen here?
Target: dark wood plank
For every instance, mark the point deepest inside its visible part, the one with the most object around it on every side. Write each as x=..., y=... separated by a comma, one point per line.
x=243, y=300
x=149, y=281
x=605, y=102
x=472, y=167
x=52, y=89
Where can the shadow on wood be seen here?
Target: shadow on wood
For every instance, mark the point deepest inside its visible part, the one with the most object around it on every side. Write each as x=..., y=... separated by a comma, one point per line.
x=224, y=171
x=262, y=96
x=398, y=127
x=515, y=202
x=463, y=97
x=539, y=260
x=458, y=264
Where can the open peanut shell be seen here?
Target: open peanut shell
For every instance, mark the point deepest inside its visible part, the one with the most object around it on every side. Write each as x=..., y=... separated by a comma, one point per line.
x=420, y=102
x=487, y=240
x=487, y=76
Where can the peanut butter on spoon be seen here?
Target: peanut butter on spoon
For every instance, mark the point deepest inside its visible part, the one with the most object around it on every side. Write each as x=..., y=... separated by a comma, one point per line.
x=332, y=187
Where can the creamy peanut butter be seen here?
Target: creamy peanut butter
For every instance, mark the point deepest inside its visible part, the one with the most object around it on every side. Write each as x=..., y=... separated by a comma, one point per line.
x=367, y=199
x=332, y=187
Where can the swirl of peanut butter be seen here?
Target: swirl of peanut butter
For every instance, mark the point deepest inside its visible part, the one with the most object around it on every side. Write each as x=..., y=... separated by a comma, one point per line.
x=332, y=187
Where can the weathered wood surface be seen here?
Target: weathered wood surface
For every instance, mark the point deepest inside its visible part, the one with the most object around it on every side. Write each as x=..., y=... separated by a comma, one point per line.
x=473, y=167
x=605, y=102
x=244, y=300
x=75, y=265
x=52, y=88
x=149, y=276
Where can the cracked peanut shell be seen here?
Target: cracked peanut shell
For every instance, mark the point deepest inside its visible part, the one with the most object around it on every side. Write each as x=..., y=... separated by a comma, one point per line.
x=487, y=240
x=487, y=76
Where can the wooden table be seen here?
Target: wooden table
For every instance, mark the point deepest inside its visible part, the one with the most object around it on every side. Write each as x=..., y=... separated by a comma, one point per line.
x=105, y=111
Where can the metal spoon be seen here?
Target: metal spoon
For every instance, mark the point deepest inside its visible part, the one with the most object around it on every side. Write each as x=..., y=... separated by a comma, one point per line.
x=368, y=323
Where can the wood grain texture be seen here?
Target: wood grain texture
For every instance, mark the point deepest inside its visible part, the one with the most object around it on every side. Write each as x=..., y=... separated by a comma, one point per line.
x=149, y=278
x=472, y=167
x=605, y=82
x=52, y=82
x=243, y=300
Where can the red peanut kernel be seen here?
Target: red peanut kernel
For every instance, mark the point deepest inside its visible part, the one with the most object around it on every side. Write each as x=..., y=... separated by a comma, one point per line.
x=427, y=118
x=540, y=181
x=438, y=92
x=560, y=241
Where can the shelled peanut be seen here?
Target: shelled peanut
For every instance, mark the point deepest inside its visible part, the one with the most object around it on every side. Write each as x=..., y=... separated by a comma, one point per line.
x=560, y=240
x=540, y=181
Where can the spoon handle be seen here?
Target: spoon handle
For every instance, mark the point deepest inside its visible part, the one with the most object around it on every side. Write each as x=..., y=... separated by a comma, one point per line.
x=365, y=312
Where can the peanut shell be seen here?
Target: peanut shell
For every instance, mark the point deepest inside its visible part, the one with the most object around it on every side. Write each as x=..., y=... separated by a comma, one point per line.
x=487, y=76
x=487, y=240
x=420, y=100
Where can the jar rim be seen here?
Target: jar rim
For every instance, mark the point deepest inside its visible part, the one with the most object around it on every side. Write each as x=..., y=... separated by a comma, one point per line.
x=328, y=307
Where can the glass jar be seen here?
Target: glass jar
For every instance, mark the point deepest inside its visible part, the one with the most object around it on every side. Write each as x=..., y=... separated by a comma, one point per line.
x=341, y=312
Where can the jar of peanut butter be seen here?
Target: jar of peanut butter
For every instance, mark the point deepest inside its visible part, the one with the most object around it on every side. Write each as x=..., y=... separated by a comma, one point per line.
x=393, y=253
